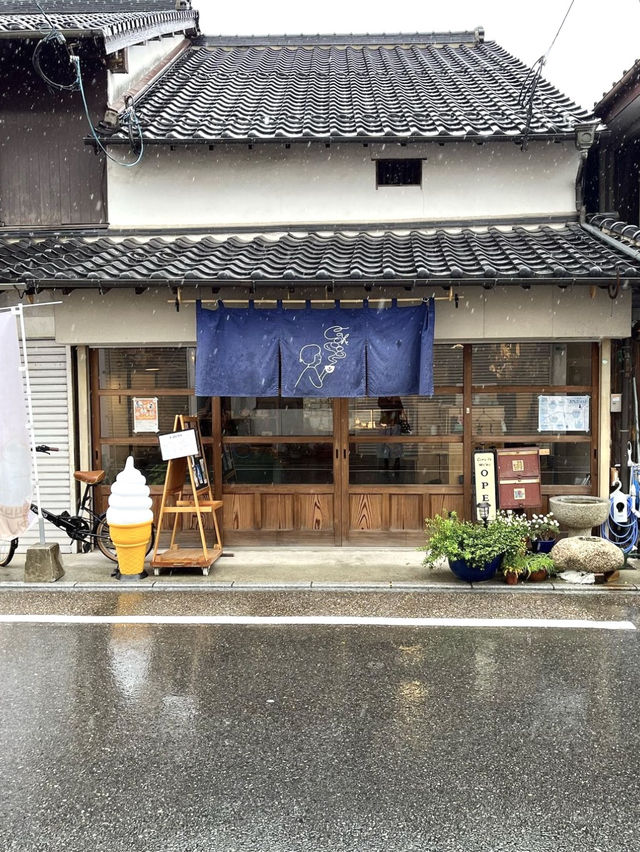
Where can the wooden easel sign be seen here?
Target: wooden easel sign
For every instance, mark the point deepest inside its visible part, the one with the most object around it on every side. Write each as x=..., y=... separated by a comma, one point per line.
x=186, y=467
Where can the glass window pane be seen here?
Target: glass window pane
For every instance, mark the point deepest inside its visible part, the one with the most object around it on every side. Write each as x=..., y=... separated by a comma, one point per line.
x=509, y=414
x=266, y=416
x=146, y=368
x=404, y=463
x=566, y=464
x=447, y=364
x=547, y=364
x=278, y=464
x=116, y=414
x=408, y=415
x=147, y=459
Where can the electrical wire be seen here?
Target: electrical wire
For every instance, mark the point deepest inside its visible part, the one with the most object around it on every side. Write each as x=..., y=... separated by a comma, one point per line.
x=44, y=14
x=129, y=118
x=52, y=37
x=530, y=83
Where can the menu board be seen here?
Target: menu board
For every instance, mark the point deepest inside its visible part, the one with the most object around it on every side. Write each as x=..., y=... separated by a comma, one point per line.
x=563, y=413
x=177, y=445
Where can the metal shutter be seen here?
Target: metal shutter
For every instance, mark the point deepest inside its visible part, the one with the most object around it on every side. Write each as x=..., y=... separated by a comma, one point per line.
x=50, y=378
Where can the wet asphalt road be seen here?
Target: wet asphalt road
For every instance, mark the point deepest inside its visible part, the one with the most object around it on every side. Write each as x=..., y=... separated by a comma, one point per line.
x=283, y=738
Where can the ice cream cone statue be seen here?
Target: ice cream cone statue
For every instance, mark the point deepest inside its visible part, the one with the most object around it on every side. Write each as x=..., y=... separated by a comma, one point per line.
x=130, y=518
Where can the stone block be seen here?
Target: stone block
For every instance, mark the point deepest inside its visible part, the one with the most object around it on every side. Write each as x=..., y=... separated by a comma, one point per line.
x=43, y=564
x=587, y=553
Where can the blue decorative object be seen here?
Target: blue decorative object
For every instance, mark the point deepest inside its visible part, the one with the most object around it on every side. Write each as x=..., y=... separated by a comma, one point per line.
x=541, y=545
x=322, y=352
x=315, y=353
x=471, y=574
x=237, y=352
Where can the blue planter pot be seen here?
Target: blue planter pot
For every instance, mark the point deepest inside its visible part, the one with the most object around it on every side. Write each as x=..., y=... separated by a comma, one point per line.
x=471, y=574
x=540, y=545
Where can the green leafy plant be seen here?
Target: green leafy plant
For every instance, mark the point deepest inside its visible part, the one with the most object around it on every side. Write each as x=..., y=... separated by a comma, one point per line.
x=540, y=562
x=450, y=538
x=523, y=564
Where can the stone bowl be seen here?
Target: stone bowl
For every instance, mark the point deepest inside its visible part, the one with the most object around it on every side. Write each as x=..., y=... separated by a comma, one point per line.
x=578, y=514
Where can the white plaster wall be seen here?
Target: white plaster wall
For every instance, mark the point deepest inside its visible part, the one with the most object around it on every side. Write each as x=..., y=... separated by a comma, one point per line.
x=270, y=184
x=506, y=313
x=142, y=57
x=39, y=322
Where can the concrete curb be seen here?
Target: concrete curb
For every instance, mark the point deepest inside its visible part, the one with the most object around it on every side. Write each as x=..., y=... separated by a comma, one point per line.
x=312, y=586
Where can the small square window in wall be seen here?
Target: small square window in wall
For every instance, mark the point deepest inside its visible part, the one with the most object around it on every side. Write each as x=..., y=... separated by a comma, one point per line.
x=399, y=172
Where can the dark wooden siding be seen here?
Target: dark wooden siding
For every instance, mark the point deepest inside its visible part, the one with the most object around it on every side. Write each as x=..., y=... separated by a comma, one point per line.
x=48, y=176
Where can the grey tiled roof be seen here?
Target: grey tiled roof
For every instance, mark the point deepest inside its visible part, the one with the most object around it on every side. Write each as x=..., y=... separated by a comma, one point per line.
x=119, y=29
x=561, y=254
x=408, y=87
x=26, y=7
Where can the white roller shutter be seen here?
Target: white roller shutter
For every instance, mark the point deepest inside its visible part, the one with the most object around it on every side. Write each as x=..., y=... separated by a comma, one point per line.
x=50, y=378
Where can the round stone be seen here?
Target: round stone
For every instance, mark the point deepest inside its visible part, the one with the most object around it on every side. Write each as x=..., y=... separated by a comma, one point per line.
x=587, y=553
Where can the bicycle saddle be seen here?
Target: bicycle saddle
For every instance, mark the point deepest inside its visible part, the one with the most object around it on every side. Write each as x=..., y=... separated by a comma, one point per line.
x=91, y=477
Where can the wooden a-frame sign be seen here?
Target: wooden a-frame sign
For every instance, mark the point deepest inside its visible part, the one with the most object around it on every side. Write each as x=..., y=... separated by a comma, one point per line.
x=182, y=472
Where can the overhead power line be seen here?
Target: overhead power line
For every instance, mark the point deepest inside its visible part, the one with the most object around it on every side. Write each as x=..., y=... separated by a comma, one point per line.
x=530, y=84
x=129, y=119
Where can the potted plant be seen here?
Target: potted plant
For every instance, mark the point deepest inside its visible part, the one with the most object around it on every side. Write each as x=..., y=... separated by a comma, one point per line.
x=527, y=566
x=514, y=571
x=543, y=530
x=540, y=566
x=474, y=551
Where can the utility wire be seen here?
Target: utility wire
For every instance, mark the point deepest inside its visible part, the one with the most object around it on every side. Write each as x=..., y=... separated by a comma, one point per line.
x=44, y=14
x=129, y=119
x=566, y=15
x=530, y=84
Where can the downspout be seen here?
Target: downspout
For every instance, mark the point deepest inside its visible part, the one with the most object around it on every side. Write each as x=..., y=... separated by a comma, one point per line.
x=585, y=137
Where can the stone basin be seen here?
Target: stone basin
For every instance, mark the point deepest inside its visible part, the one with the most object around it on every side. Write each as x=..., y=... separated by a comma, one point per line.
x=578, y=514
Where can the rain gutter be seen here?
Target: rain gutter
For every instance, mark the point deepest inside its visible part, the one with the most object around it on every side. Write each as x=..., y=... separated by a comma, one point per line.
x=333, y=140
x=410, y=285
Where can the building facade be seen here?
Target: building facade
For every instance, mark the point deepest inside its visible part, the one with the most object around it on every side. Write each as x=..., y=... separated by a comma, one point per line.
x=374, y=172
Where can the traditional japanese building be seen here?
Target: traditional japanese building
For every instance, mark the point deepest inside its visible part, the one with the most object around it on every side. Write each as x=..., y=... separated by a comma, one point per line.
x=329, y=201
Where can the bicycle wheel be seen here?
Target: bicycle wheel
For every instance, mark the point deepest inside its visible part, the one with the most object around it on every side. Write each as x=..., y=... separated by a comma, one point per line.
x=7, y=549
x=106, y=545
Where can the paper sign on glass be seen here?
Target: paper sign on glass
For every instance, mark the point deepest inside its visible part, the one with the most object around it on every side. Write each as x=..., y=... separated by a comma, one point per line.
x=145, y=414
x=563, y=413
x=177, y=445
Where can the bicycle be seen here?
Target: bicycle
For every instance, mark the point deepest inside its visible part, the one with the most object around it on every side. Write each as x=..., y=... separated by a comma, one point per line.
x=85, y=527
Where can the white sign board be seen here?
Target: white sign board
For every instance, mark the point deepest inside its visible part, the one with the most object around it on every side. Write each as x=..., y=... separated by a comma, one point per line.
x=563, y=413
x=177, y=445
x=484, y=468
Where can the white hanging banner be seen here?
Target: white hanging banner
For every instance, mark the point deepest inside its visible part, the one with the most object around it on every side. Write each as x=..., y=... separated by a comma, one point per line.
x=15, y=443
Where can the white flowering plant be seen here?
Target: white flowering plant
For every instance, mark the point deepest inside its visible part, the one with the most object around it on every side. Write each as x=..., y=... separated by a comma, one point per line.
x=544, y=527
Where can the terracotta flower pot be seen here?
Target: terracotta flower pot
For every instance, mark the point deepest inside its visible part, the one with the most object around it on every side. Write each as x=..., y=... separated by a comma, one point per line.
x=538, y=576
x=511, y=578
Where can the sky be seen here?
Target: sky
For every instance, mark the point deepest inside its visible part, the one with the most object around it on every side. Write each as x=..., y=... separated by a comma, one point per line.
x=598, y=42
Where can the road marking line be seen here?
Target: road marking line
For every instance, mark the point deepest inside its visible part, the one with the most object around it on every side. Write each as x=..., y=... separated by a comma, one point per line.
x=318, y=620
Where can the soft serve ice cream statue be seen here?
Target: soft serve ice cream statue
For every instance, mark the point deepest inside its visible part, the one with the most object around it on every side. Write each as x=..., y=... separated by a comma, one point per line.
x=130, y=519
